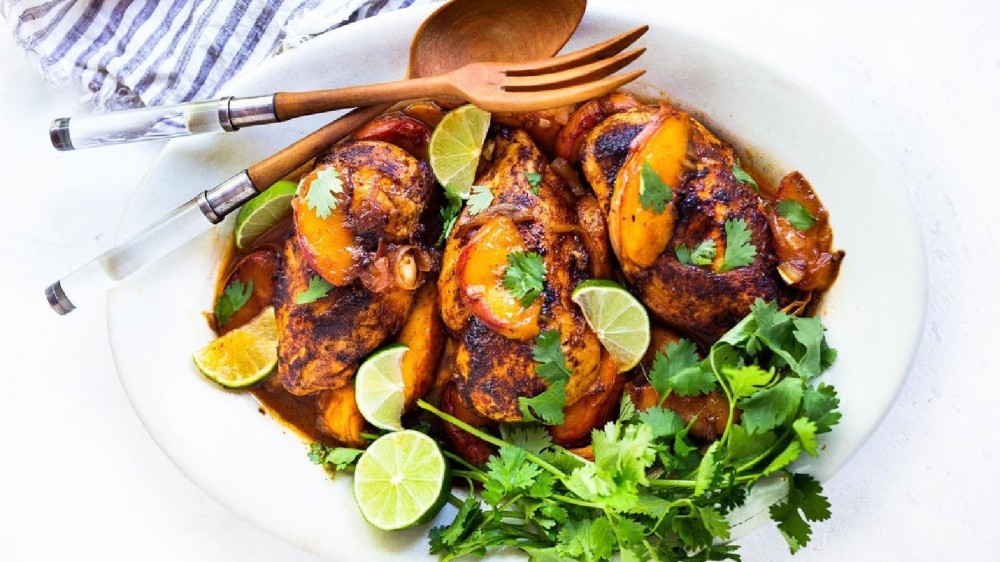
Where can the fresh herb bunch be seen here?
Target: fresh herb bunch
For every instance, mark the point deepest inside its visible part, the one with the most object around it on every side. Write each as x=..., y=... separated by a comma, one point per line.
x=651, y=493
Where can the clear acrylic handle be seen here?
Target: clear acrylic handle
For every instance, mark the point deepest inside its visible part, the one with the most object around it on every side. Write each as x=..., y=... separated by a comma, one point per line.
x=160, y=122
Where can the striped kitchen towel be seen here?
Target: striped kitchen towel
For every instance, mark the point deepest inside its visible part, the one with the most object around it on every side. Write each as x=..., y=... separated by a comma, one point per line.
x=129, y=53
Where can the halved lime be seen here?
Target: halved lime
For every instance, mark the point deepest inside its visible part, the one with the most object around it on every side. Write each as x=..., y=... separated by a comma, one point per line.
x=618, y=318
x=401, y=480
x=455, y=146
x=379, y=388
x=264, y=211
x=244, y=356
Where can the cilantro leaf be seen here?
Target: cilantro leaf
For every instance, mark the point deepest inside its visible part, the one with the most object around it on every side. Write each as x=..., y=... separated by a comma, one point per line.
x=586, y=539
x=707, y=476
x=771, y=407
x=480, y=198
x=742, y=176
x=318, y=288
x=786, y=457
x=654, y=193
x=235, y=295
x=466, y=520
x=796, y=214
x=739, y=250
x=547, y=407
x=805, y=502
x=525, y=276
x=532, y=439
x=449, y=214
x=548, y=352
x=508, y=473
x=663, y=422
x=805, y=429
x=534, y=180
x=809, y=333
x=678, y=369
x=341, y=458
x=746, y=380
x=820, y=405
x=322, y=194
x=702, y=254
x=745, y=445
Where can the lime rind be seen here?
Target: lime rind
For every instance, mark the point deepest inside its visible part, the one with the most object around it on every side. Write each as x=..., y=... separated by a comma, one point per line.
x=263, y=212
x=379, y=389
x=243, y=357
x=401, y=480
x=617, y=317
x=455, y=147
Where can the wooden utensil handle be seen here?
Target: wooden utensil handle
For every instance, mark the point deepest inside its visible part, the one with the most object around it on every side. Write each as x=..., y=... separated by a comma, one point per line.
x=289, y=105
x=267, y=172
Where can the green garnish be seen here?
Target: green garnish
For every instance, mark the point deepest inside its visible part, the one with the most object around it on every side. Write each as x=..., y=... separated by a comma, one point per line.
x=742, y=176
x=652, y=493
x=525, y=276
x=235, y=295
x=341, y=458
x=702, y=254
x=322, y=194
x=654, y=193
x=739, y=250
x=534, y=180
x=480, y=198
x=547, y=407
x=317, y=289
x=449, y=214
x=796, y=214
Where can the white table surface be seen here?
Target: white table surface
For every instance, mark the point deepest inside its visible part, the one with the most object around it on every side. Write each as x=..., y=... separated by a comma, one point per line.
x=80, y=479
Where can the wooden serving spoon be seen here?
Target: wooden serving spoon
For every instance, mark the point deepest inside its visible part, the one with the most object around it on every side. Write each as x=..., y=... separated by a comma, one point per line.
x=458, y=33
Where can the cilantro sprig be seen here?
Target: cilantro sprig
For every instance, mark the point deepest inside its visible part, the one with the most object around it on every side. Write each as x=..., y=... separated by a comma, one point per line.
x=322, y=194
x=551, y=367
x=651, y=493
x=317, y=289
x=525, y=276
x=233, y=297
x=654, y=193
x=739, y=250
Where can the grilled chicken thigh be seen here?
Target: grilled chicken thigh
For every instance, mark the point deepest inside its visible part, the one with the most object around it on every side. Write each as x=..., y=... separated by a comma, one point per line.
x=496, y=331
x=698, y=169
x=357, y=225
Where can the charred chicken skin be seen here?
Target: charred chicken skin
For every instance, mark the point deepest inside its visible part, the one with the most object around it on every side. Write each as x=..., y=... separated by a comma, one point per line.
x=706, y=199
x=494, y=330
x=361, y=236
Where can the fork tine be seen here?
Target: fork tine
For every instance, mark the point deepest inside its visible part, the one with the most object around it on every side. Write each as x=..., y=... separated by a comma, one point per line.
x=576, y=58
x=526, y=101
x=572, y=76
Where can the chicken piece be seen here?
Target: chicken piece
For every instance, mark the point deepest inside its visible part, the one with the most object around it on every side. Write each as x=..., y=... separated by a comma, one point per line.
x=494, y=369
x=320, y=343
x=698, y=168
x=586, y=117
x=361, y=233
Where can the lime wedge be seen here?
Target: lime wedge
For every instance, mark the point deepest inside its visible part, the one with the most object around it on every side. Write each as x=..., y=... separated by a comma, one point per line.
x=455, y=146
x=401, y=480
x=379, y=388
x=618, y=318
x=264, y=211
x=244, y=356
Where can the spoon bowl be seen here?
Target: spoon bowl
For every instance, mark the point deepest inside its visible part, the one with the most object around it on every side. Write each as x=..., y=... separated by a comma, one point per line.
x=466, y=31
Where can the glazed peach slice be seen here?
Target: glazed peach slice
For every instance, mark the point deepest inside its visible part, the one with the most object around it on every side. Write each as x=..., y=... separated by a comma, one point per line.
x=480, y=271
x=638, y=233
x=327, y=239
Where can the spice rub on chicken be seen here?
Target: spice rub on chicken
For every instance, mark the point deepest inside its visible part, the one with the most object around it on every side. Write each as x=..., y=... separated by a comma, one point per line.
x=353, y=262
x=531, y=224
x=692, y=235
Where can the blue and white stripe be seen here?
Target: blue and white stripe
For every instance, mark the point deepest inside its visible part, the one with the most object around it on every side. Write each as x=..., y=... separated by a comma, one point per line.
x=128, y=53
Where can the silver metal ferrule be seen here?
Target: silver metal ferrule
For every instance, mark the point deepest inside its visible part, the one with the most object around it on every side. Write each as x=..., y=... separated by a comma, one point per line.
x=245, y=112
x=226, y=197
x=58, y=300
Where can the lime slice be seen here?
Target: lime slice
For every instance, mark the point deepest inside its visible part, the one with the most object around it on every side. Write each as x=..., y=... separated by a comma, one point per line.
x=401, y=480
x=619, y=320
x=264, y=211
x=244, y=356
x=378, y=387
x=455, y=146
